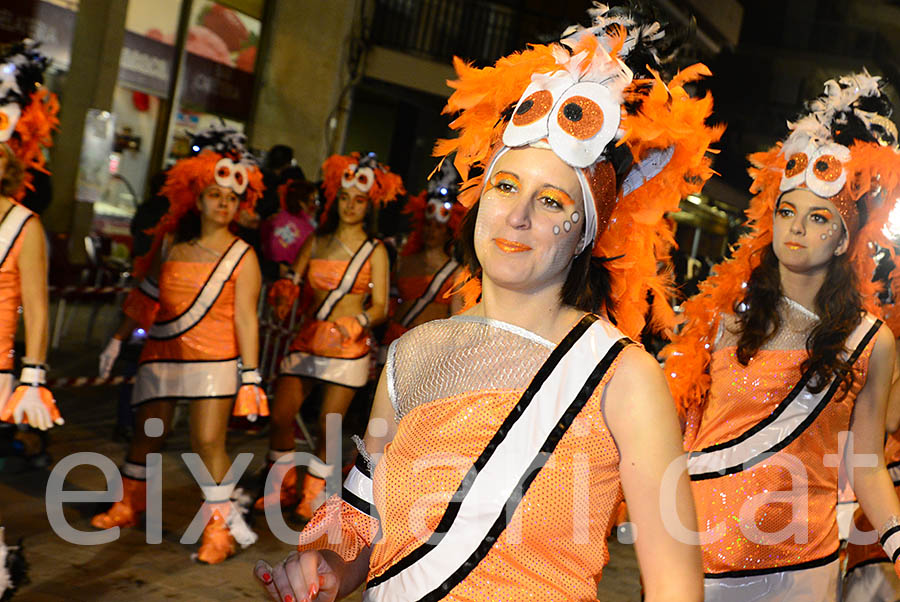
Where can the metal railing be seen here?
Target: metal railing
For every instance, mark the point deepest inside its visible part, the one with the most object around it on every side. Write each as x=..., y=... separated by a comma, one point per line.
x=476, y=30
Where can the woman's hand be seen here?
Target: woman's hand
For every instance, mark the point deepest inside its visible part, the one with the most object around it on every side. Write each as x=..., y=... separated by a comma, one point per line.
x=306, y=576
x=349, y=327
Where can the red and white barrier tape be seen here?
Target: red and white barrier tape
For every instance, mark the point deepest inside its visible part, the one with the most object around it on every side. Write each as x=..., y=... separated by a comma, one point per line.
x=89, y=290
x=89, y=381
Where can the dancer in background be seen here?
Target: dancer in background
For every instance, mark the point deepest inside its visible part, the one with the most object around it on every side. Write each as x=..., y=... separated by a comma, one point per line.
x=27, y=119
x=348, y=271
x=781, y=352
x=426, y=269
x=516, y=426
x=202, y=332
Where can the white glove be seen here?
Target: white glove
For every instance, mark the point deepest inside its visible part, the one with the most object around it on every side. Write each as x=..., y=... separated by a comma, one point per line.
x=108, y=356
x=33, y=409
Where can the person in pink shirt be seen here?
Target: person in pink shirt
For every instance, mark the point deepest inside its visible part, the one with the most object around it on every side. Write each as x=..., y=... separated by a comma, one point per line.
x=285, y=232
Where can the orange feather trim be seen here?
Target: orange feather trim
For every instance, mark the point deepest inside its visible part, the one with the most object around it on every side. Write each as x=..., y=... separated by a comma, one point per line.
x=688, y=355
x=33, y=134
x=185, y=183
x=415, y=209
x=667, y=117
x=386, y=188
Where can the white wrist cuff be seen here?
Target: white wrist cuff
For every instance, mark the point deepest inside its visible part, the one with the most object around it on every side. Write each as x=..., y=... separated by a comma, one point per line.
x=250, y=377
x=33, y=376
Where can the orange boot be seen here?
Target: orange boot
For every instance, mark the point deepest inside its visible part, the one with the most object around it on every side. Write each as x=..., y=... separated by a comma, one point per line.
x=126, y=512
x=218, y=542
x=287, y=496
x=313, y=496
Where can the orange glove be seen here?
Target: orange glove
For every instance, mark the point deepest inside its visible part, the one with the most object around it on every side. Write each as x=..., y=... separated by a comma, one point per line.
x=31, y=402
x=251, y=398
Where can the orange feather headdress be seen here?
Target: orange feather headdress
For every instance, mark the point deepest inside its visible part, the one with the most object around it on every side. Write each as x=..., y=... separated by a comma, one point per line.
x=844, y=149
x=221, y=158
x=28, y=111
x=439, y=203
x=365, y=173
x=637, y=143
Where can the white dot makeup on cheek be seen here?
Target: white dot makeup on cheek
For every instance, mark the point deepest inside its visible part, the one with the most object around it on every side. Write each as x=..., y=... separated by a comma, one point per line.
x=556, y=229
x=575, y=217
x=567, y=226
x=824, y=237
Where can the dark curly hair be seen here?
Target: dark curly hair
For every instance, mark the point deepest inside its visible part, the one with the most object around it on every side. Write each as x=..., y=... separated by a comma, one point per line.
x=838, y=304
x=14, y=175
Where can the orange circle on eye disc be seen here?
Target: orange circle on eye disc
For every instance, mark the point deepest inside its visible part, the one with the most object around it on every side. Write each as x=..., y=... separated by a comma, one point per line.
x=828, y=168
x=4, y=121
x=580, y=117
x=796, y=164
x=533, y=108
x=223, y=172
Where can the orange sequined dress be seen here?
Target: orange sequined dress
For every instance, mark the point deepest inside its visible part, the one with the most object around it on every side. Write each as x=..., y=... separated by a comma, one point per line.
x=318, y=350
x=11, y=239
x=759, y=446
x=457, y=389
x=191, y=350
x=417, y=292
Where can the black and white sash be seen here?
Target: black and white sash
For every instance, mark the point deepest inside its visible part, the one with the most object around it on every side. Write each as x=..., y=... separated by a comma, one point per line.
x=787, y=422
x=434, y=287
x=150, y=288
x=205, y=299
x=350, y=274
x=486, y=499
x=10, y=229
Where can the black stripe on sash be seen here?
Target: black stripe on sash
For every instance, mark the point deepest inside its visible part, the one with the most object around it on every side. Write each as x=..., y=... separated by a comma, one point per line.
x=531, y=473
x=12, y=241
x=823, y=403
x=341, y=279
x=358, y=503
x=887, y=534
x=200, y=292
x=409, y=316
x=809, y=564
x=453, y=507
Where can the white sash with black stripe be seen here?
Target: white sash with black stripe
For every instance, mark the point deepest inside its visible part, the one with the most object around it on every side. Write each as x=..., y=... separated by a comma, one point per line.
x=205, y=299
x=488, y=495
x=11, y=228
x=434, y=287
x=787, y=422
x=149, y=287
x=350, y=274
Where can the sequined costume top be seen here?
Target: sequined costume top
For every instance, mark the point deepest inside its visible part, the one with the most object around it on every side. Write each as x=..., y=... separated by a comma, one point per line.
x=763, y=439
x=181, y=280
x=452, y=383
x=11, y=239
x=325, y=275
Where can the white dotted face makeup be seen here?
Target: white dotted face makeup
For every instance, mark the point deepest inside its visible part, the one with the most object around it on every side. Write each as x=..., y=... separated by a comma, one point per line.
x=575, y=217
x=556, y=230
x=567, y=225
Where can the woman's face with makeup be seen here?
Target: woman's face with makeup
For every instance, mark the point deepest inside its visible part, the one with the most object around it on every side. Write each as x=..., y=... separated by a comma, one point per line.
x=530, y=220
x=807, y=231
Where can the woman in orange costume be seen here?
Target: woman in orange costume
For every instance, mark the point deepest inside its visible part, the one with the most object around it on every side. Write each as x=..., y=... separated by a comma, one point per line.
x=503, y=439
x=779, y=354
x=203, y=342
x=27, y=118
x=426, y=271
x=349, y=274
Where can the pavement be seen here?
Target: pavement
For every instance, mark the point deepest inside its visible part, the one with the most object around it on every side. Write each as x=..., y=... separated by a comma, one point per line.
x=129, y=568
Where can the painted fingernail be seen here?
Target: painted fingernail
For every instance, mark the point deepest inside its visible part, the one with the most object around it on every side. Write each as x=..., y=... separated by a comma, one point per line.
x=289, y=598
x=321, y=581
x=313, y=590
x=267, y=578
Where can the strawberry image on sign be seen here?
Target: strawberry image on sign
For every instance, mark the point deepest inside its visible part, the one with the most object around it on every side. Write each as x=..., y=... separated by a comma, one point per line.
x=226, y=25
